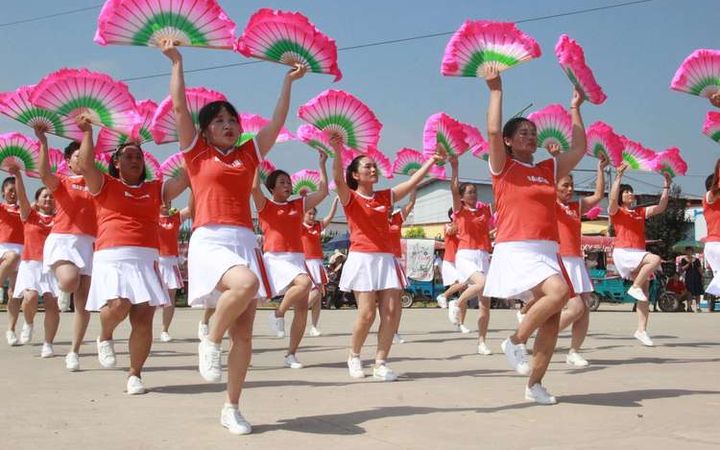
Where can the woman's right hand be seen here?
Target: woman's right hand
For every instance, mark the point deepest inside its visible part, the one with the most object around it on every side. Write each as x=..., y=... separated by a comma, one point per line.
x=621, y=169
x=40, y=130
x=167, y=46
x=492, y=78
x=83, y=122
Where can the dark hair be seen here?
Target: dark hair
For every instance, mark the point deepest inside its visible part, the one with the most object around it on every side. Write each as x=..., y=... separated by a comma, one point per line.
x=715, y=175
x=6, y=182
x=351, y=169
x=623, y=189
x=70, y=149
x=511, y=127
x=38, y=192
x=271, y=180
x=114, y=171
x=710, y=182
x=211, y=110
x=450, y=213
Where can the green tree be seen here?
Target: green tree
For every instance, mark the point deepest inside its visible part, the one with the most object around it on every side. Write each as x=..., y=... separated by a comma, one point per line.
x=414, y=233
x=670, y=226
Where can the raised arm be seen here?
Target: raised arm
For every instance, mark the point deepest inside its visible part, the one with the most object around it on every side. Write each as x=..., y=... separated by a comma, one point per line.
x=455, y=184
x=664, y=198
x=172, y=187
x=590, y=201
x=257, y=193
x=714, y=192
x=333, y=209
x=183, y=119
x=314, y=199
x=403, y=189
x=613, y=205
x=46, y=176
x=407, y=209
x=22, y=197
x=86, y=157
x=567, y=161
x=494, y=122
x=341, y=187
x=268, y=135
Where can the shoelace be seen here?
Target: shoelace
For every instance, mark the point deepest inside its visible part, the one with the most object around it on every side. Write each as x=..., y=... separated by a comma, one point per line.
x=520, y=355
x=106, y=350
x=212, y=359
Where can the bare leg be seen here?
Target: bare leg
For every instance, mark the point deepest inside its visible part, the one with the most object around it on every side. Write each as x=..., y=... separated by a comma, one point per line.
x=647, y=267
x=29, y=306
x=8, y=269
x=13, y=311
x=239, y=287
x=297, y=296
x=543, y=348
x=315, y=304
x=141, y=319
x=114, y=312
x=390, y=313
x=52, y=317
x=169, y=311
x=453, y=289
x=551, y=296
x=573, y=312
x=240, y=352
x=81, y=317
x=367, y=304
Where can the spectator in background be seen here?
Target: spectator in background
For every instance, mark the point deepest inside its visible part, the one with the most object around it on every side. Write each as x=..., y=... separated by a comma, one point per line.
x=692, y=269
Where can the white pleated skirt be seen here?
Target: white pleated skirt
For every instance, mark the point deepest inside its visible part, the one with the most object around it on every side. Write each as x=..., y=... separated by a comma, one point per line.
x=317, y=272
x=31, y=277
x=367, y=272
x=468, y=262
x=578, y=274
x=712, y=257
x=282, y=269
x=519, y=266
x=75, y=248
x=449, y=273
x=126, y=272
x=170, y=272
x=627, y=260
x=213, y=250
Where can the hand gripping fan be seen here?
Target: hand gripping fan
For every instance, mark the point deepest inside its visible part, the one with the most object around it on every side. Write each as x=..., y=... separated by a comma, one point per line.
x=17, y=106
x=593, y=213
x=162, y=126
x=265, y=168
x=288, y=38
x=18, y=150
x=602, y=140
x=637, y=156
x=172, y=166
x=102, y=162
x=481, y=43
x=253, y=123
x=108, y=140
x=315, y=139
x=443, y=131
x=70, y=92
x=383, y=163
x=55, y=158
x=711, y=127
x=670, y=161
x=554, y=126
x=572, y=61
x=339, y=112
x=305, y=182
x=407, y=161
x=152, y=167
x=699, y=74
x=195, y=23
x=476, y=142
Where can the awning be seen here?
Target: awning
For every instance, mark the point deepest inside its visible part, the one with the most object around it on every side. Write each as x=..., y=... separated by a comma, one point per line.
x=595, y=227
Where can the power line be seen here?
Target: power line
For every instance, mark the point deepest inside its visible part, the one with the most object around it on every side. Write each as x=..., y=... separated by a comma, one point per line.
x=50, y=16
x=403, y=40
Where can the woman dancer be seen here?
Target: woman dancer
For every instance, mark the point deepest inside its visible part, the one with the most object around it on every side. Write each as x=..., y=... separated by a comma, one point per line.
x=631, y=259
x=169, y=223
x=11, y=247
x=282, y=223
x=711, y=211
x=312, y=248
x=371, y=271
x=448, y=270
x=31, y=282
x=397, y=219
x=569, y=213
x=125, y=281
x=68, y=251
x=472, y=259
x=224, y=260
x=525, y=258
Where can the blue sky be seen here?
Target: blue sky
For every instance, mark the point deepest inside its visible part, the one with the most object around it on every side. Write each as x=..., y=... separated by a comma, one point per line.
x=634, y=52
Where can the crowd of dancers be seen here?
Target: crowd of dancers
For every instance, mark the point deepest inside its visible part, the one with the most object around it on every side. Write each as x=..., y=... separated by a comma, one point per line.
x=92, y=234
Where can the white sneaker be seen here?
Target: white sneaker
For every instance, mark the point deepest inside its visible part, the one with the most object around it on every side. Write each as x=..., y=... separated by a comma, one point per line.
x=483, y=349
x=453, y=312
x=643, y=337
x=47, y=350
x=520, y=316
x=277, y=324
x=292, y=362
x=11, y=337
x=463, y=329
x=574, y=359
x=516, y=356
x=442, y=301
x=106, y=353
x=231, y=419
x=26, y=333
x=398, y=339
x=64, y=301
x=203, y=330
x=539, y=394
x=165, y=337
x=383, y=372
x=315, y=332
x=637, y=294
x=209, y=361
x=72, y=362
x=355, y=368
x=135, y=386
